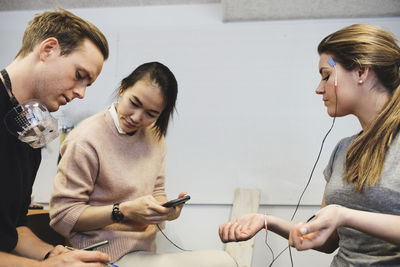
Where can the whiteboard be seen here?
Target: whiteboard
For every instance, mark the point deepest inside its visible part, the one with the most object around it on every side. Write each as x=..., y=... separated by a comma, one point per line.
x=247, y=112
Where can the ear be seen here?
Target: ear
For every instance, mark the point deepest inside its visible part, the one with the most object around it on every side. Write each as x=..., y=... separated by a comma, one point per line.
x=363, y=73
x=120, y=91
x=49, y=47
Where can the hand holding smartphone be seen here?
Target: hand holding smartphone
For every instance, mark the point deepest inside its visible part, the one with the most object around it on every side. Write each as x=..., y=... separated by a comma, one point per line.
x=176, y=202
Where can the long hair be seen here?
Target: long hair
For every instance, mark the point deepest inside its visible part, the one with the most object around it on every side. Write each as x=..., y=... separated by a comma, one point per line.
x=360, y=46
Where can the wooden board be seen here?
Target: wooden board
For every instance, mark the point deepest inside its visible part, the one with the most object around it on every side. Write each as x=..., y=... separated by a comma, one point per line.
x=245, y=201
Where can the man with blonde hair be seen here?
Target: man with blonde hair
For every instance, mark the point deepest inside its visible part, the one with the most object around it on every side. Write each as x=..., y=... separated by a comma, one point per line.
x=61, y=55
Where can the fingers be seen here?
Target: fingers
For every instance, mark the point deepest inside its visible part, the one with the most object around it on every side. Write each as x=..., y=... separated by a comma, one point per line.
x=58, y=250
x=312, y=240
x=220, y=229
x=182, y=194
x=233, y=231
x=175, y=212
x=242, y=228
x=225, y=231
x=155, y=206
x=178, y=208
x=295, y=236
x=314, y=226
x=299, y=240
x=305, y=236
x=158, y=209
x=149, y=206
x=156, y=219
x=91, y=256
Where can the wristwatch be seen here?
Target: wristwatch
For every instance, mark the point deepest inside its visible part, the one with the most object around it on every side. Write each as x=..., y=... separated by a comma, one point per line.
x=116, y=214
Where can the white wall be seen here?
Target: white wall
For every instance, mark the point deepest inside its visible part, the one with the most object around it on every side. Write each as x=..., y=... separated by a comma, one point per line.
x=247, y=112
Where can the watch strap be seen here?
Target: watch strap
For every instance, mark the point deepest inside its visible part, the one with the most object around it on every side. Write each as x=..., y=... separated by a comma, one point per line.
x=116, y=214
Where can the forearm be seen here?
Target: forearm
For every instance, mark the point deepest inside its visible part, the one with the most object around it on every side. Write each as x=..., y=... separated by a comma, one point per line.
x=282, y=227
x=10, y=260
x=98, y=217
x=383, y=226
x=138, y=213
x=279, y=226
x=29, y=245
x=94, y=217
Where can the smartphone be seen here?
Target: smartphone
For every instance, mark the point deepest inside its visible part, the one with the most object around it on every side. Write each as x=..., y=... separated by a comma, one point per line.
x=96, y=245
x=176, y=202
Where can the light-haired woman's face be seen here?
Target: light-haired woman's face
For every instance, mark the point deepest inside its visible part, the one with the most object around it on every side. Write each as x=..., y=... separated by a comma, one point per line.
x=348, y=92
x=139, y=106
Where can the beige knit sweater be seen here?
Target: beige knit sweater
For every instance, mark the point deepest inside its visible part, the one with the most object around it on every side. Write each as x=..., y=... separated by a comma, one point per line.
x=99, y=167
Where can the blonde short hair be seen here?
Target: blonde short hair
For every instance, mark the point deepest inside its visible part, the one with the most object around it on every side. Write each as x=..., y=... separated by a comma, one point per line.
x=69, y=29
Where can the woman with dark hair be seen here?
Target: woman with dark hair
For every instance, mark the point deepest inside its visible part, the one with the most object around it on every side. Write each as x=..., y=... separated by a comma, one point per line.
x=360, y=215
x=110, y=179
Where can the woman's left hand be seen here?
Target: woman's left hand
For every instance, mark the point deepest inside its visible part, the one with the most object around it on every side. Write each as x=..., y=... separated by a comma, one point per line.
x=175, y=212
x=316, y=233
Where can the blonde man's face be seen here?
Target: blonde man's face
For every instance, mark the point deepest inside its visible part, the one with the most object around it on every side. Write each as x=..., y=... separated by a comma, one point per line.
x=63, y=78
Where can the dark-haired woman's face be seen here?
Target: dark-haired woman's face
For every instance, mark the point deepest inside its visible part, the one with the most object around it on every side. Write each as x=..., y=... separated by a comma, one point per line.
x=139, y=106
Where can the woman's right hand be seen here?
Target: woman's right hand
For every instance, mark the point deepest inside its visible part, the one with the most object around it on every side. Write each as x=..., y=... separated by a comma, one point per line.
x=144, y=210
x=242, y=228
x=317, y=232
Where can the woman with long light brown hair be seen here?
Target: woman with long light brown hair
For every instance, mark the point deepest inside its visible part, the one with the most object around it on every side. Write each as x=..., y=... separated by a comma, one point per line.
x=360, y=214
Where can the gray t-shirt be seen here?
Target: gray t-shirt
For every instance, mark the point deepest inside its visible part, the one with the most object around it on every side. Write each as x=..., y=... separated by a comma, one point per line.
x=357, y=248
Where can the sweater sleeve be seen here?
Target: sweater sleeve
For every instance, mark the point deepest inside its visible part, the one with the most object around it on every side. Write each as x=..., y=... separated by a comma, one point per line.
x=159, y=186
x=73, y=184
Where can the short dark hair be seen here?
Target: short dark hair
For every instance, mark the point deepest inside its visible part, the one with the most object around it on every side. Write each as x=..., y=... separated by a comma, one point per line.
x=69, y=29
x=165, y=80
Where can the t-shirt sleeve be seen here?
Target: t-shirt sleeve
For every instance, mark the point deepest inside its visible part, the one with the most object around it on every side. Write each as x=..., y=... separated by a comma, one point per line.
x=328, y=169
